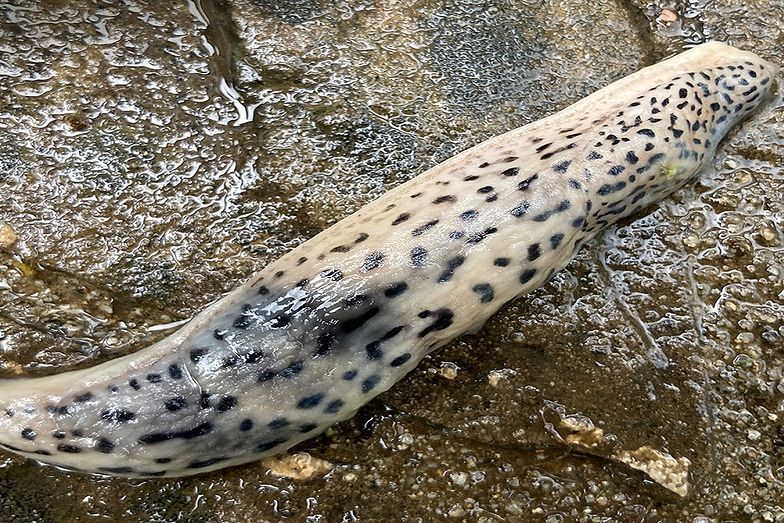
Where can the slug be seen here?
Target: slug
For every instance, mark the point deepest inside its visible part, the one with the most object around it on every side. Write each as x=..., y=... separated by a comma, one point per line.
x=341, y=318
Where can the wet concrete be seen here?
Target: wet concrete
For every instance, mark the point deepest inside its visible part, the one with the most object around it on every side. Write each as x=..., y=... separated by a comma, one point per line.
x=155, y=155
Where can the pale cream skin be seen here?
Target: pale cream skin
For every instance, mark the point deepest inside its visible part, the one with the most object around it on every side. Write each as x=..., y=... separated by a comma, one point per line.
x=324, y=329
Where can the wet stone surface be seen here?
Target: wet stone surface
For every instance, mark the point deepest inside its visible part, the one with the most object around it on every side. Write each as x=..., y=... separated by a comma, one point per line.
x=154, y=155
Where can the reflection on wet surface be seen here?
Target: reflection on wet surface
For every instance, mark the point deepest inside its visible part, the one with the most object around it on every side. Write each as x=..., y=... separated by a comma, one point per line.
x=153, y=156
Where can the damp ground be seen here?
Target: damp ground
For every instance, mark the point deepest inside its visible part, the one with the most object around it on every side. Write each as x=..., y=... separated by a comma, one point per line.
x=153, y=155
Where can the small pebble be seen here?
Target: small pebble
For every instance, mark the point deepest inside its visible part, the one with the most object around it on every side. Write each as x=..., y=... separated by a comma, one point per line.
x=7, y=236
x=667, y=16
x=300, y=465
x=405, y=440
x=448, y=370
x=458, y=478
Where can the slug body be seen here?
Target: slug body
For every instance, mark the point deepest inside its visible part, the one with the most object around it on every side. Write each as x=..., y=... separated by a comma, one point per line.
x=338, y=320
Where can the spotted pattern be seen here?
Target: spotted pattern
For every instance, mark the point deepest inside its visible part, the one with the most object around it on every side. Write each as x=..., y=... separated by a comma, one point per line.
x=345, y=315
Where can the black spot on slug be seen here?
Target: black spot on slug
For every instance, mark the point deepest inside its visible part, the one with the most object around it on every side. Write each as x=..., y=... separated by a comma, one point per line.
x=534, y=251
x=268, y=445
x=310, y=402
x=443, y=199
x=229, y=361
x=324, y=342
x=117, y=415
x=400, y=360
x=543, y=217
x=485, y=291
x=175, y=404
x=355, y=323
x=525, y=184
x=611, y=188
x=278, y=423
x=332, y=274
x=308, y=427
x=334, y=406
x=370, y=383
x=264, y=376
x=292, y=369
x=373, y=261
x=104, y=446
x=444, y=318
x=520, y=209
x=204, y=400
x=424, y=228
x=451, y=266
x=373, y=350
x=175, y=372
x=355, y=299
x=204, y=463
x=401, y=218
x=226, y=403
x=418, y=256
x=197, y=354
x=527, y=275
x=159, y=437
x=395, y=289
x=84, y=398
x=252, y=356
